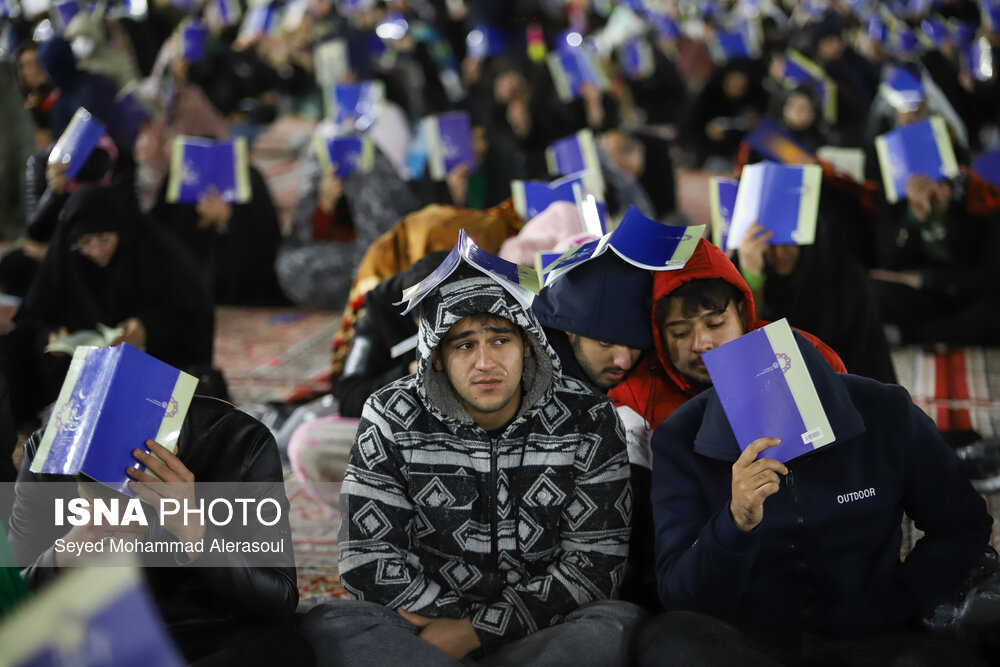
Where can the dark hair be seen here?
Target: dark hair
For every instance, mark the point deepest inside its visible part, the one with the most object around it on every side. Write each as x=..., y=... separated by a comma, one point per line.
x=696, y=295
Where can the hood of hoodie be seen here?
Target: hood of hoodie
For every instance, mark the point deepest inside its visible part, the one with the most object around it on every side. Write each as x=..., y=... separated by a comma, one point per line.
x=715, y=437
x=706, y=262
x=605, y=299
x=468, y=292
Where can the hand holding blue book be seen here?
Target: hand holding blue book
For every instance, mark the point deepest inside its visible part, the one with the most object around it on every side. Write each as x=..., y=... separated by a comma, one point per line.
x=766, y=392
x=198, y=165
x=575, y=153
x=77, y=142
x=357, y=104
x=783, y=199
x=346, y=155
x=921, y=148
x=774, y=143
x=532, y=197
x=449, y=143
x=112, y=401
x=572, y=68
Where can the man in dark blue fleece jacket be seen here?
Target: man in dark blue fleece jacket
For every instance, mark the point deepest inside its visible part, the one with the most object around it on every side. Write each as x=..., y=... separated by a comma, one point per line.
x=768, y=563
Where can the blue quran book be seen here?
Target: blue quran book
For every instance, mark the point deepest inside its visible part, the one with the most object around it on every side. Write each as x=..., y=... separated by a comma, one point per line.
x=485, y=42
x=521, y=281
x=921, y=148
x=90, y=617
x=721, y=200
x=532, y=197
x=987, y=166
x=577, y=152
x=783, y=199
x=776, y=144
x=977, y=59
x=197, y=165
x=766, y=391
x=638, y=240
x=346, y=155
x=637, y=58
x=449, y=143
x=259, y=21
x=63, y=12
x=77, y=142
x=572, y=68
x=666, y=28
x=356, y=104
x=112, y=401
x=192, y=36
x=740, y=44
x=901, y=89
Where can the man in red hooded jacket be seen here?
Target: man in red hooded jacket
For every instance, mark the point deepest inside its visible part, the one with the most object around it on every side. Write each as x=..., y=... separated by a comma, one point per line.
x=695, y=309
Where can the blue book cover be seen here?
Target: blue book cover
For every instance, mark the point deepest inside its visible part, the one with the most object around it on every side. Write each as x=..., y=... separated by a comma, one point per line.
x=781, y=198
x=573, y=67
x=449, y=143
x=347, y=155
x=63, y=12
x=742, y=43
x=356, y=105
x=112, y=400
x=901, y=89
x=532, y=197
x=77, y=142
x=575, y=153
x=223, y=12
x=485, y=42
x=977, y=59
x=90, y=617
x=199, y=164
x=637, y=59
x=192, y=36
x=920, y=148
x=776, y=144
x=766, y=391
x=258, y=21
x=722, y=201
x=666, y=28
x=521, y=281
x=642, y=242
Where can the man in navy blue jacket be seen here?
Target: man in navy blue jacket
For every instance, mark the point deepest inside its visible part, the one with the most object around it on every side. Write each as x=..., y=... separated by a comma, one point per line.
x=761, y=562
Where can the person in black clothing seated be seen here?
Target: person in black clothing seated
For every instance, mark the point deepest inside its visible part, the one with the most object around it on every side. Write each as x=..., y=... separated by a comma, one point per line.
x=370, y=364
x=597, y=318
x=227, y=613
x=235, y=245
x=106, y=264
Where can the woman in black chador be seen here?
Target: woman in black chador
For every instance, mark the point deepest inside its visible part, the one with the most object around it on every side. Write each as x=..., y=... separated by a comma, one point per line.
x=106, y=264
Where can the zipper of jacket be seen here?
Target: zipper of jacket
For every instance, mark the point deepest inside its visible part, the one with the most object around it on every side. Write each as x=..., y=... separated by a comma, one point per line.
x=494, y=527
x=799, y=523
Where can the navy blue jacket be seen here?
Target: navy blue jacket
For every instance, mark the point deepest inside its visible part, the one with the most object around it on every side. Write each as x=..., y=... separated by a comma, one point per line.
x=826, y=557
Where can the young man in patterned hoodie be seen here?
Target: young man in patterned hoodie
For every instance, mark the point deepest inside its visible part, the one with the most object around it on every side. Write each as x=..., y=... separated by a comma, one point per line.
x=486, y=507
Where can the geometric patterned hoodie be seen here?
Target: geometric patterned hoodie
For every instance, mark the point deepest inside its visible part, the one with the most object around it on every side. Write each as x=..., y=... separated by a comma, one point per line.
x=512, y=532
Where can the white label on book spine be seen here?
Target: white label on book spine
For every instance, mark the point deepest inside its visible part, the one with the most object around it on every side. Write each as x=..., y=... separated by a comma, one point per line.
x=812, y=435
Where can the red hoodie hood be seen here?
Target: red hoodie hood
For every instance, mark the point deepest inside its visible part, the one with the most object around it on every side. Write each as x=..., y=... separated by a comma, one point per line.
x=706, y=262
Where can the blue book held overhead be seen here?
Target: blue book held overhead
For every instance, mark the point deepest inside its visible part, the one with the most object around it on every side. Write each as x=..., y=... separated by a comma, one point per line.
x=920, y=148
x=521, y=281
x=639, y=241
x=532, y=197
x=77, y=142
x=572, y=68
x=766, y=391
x=449, y=143
x=781, y=198
x=357, y=104
x=112, y=400
x=191, y=38
x=722, y=201
x=90, y=617
x=346, y=155
x=575, y=153
x=198, y=165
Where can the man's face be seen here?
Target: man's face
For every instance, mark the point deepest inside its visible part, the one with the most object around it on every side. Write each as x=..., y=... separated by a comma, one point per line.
x=484, y=360
x=604, y=363
x=687, y=338
x=798, y=112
